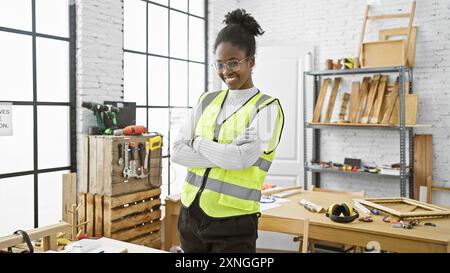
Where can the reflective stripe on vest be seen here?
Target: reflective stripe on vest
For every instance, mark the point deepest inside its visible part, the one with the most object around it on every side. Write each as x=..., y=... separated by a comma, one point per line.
x=224, y=187
x=263, y=164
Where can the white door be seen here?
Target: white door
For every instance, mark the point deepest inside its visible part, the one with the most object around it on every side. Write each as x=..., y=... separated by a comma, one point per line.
x=279, y=73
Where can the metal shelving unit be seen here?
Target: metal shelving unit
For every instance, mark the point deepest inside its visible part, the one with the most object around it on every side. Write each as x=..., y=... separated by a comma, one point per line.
x=401, y=127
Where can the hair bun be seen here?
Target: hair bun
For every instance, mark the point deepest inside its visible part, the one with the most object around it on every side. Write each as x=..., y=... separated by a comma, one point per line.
x=244, y=19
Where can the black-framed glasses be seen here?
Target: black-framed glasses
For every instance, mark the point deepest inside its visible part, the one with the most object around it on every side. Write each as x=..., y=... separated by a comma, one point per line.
x=231, y=65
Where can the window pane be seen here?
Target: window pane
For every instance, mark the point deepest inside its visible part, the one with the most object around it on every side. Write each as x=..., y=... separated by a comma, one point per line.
x=158, y=81
x=18, y=157
x=177, y=119
x=178, y=35
x=141, y=116
x=196, y=39
x=134, y=25
x=162, y=2
x=52, y=17
x=134, y=78
x=16, y=204
x=196, y=82
x=16, y=68
x=197, y=7
x=178, y=83
x=53, y=136
x=50, y=198
x=177, y=177
x=16, y=14
x=158, y=30
x=52, y=70
x=179, y=4
x=158, y=121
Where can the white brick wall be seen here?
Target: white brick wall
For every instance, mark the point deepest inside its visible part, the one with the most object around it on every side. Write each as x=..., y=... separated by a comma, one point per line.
x=99, y=58
x=216, y=14
x=333, y=27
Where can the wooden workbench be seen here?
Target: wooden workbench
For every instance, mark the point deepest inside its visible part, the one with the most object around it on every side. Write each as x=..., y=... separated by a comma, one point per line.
x=289, y=217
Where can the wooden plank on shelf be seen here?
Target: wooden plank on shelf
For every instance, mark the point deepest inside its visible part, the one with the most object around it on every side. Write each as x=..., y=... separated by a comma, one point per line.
x=332, y=99
x=423, y=161
x=320, y=100
x=370, y=99
x=375, y=115
x=411, y=104
x=345, y=99
x=365, y=86
x=354, y=102
x=389, y=104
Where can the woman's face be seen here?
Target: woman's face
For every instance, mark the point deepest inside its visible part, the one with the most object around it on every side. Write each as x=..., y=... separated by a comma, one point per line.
x=239, y=77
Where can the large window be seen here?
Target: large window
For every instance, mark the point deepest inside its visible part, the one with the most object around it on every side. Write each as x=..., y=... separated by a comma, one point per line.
x=165, y=68
x=36, y=76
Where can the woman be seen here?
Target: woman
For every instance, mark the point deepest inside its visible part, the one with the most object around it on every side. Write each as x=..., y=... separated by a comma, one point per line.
x=228, y=144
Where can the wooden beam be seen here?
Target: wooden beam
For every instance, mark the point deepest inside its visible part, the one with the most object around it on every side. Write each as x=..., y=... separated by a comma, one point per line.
x=390, y=16
x=35, y=234
x=411, y=19
x=363, y=31
x=320, y=100
x=332, y=99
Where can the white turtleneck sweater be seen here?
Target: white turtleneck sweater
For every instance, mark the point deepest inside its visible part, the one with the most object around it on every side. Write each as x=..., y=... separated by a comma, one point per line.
x=242, y=152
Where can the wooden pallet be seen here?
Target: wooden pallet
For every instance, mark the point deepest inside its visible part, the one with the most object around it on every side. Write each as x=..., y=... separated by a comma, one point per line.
x=133, y=218
x=101, y=174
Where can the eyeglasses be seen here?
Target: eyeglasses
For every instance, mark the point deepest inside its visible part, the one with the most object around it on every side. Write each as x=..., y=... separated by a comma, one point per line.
x=232, y=65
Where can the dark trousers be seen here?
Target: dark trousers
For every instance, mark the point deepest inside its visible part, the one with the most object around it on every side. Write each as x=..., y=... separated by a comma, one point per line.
x=200, y=233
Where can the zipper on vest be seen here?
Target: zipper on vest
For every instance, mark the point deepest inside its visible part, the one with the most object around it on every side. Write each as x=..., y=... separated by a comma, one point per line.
x=205, y=176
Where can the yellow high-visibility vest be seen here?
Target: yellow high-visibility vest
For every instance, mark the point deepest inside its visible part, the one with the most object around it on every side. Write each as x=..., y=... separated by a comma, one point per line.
x=223, y=192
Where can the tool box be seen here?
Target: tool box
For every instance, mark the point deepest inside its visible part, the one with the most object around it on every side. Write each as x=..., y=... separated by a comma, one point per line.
x=116, y=165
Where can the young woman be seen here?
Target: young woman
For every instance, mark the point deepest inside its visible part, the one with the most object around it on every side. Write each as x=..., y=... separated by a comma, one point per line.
x=228, y=144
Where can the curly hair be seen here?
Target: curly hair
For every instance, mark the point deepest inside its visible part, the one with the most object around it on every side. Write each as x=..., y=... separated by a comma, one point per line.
x=240, y=30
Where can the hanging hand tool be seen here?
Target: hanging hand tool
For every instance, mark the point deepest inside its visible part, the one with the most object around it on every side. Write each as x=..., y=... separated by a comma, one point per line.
x=126, y=168
x=141, y=151
x=120, y=162
x=132, y=170
x=147, y=154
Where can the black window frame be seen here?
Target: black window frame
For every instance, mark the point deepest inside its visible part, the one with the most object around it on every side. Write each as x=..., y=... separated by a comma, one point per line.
x=167, y=139
x=35, y=103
